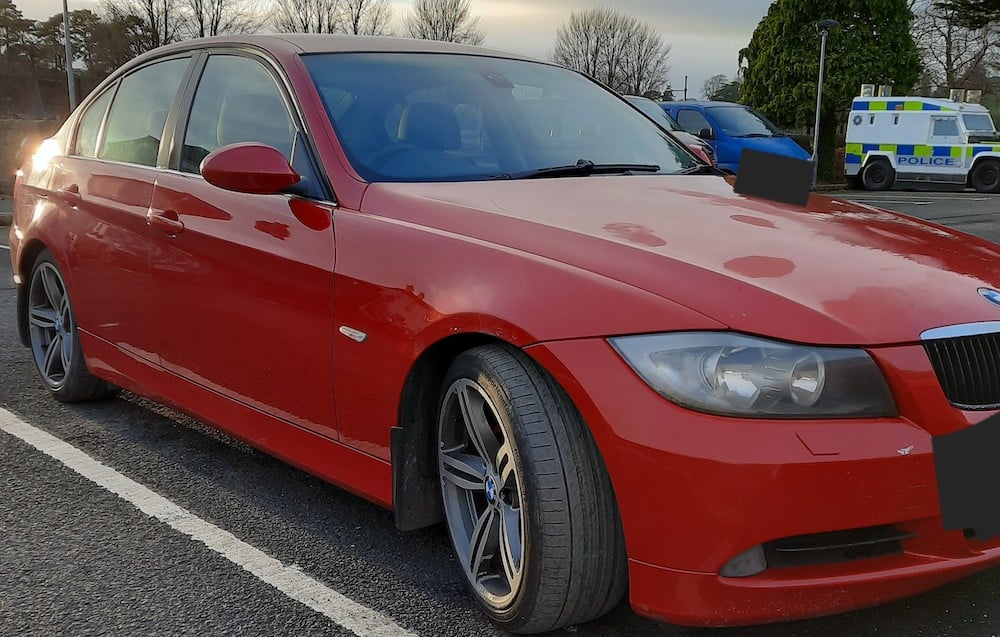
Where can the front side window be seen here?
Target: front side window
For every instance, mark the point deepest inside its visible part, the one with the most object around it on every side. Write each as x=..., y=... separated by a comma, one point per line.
x=445, y=117
x=90, y=126
x=237, y=100
x=978, y=123
x=139, y=112
x=692, y=121
x=945, y=127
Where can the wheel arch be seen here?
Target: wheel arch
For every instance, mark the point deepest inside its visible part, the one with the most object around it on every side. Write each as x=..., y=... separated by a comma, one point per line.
x=416, y=496
x=27, y=255
x=877, y=154
x=980, y=158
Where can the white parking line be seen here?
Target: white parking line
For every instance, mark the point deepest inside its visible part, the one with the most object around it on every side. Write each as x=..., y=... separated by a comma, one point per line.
x=4, y=247
x=291, y=581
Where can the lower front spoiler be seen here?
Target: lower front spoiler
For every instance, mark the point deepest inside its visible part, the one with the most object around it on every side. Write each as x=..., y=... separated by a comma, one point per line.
x=710, y=600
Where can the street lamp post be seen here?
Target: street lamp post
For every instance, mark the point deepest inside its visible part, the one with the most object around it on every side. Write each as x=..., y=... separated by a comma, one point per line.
x=824, y=27
x=70, y=80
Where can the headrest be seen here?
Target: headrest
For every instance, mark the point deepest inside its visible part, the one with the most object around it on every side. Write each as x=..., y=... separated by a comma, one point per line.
x=255, y=117
x=430, y=125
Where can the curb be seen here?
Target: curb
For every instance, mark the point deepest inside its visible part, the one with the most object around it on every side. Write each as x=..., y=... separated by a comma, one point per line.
x=830, y=187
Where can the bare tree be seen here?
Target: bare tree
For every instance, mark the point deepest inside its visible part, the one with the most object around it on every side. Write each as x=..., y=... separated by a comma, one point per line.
x=445, y=20
x=164, y=20
x=615, y=48
x=954, y=56
x=713, y=86
x=215, y=17
x=307, y=16
x=366, y=17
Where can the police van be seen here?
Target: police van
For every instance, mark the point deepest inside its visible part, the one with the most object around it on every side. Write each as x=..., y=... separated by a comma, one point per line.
x=922, y=140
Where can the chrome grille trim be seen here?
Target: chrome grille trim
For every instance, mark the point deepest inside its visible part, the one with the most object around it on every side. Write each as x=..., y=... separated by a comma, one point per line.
x=958, y=331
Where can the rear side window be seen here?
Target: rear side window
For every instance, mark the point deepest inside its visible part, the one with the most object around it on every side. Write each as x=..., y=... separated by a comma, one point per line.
x=90, y=126
x=237, y=101
x=692, y=121
x=139, y=112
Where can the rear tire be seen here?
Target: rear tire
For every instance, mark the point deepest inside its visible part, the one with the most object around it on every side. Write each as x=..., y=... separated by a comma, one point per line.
x=528, y=502
x=878, y=175
x=55, y=340
x=985, y=176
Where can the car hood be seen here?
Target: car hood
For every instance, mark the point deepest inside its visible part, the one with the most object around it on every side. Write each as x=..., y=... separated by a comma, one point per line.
x=781, y=145
x=833, y=272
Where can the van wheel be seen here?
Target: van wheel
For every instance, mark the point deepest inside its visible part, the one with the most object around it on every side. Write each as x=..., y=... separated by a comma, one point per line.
x=878, y=175
x=986, y=176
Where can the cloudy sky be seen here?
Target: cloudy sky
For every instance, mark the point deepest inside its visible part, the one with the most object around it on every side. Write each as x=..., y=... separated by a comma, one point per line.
x=705, y=35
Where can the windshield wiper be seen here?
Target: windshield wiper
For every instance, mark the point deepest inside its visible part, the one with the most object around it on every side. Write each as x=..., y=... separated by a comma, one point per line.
x=581, y=168
x=758, y=135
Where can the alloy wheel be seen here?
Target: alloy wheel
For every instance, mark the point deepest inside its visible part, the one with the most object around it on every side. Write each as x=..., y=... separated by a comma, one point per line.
x=50, y=322
x=482, y=493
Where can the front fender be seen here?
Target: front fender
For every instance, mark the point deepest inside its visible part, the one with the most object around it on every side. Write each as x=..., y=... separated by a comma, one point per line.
x=407, y=287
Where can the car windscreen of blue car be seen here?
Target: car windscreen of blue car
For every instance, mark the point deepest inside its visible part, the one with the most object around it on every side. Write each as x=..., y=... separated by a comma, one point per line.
x=740, y=121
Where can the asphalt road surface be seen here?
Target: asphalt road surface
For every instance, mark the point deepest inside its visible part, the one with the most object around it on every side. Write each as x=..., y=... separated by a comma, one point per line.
x=969, y=211
x=260, y=548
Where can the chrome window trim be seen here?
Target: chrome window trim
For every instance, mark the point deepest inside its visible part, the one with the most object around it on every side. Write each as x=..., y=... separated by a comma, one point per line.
x=958, y=331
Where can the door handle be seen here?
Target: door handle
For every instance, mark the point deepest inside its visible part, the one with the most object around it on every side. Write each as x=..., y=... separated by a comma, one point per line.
x=70, y=194
x=166, y=221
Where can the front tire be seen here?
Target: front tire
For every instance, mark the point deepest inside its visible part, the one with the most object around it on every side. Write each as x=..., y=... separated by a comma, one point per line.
x=878, y=175
x=528, y=502
x=54, y=339
x=985, y=176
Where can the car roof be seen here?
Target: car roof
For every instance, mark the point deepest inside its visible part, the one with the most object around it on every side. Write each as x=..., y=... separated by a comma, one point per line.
x=332, y=43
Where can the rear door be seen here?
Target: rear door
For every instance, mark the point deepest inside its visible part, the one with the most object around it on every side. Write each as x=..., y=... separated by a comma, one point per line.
x=106, y=182
x=243, y=301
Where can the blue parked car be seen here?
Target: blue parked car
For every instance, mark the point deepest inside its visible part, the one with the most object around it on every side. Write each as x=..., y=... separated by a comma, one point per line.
x=730, y=128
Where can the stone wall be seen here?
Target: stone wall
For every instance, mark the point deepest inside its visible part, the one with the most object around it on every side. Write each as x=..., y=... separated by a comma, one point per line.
x=18, y=139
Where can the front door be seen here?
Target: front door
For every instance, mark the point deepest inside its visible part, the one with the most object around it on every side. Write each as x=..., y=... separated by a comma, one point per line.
x=243, y=284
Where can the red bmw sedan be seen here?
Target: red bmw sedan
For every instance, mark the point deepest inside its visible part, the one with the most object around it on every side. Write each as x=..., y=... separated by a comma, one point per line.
x=483, y=290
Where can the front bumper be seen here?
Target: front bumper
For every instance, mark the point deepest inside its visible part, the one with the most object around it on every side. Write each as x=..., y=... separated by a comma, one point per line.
x=696, y=490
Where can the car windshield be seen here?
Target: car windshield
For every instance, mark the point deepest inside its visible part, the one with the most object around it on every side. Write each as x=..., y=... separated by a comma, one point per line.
x=448, y=117
x=979, y=123
x=740, y=121
x=655, y=112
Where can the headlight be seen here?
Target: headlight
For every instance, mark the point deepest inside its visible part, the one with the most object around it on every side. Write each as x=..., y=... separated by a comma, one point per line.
x=737, y=375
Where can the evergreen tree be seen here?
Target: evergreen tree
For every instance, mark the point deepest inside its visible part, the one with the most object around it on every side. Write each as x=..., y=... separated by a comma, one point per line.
x=873, y=44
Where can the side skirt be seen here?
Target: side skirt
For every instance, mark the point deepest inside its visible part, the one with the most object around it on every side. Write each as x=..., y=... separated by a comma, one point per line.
x=359, y=473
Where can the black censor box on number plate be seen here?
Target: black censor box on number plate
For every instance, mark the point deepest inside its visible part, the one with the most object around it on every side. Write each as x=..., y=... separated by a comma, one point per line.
x=968, y=476
x=774, y=177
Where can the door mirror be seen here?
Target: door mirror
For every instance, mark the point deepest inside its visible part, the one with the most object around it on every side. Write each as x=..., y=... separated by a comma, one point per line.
x=706, y=133
x=249, y=167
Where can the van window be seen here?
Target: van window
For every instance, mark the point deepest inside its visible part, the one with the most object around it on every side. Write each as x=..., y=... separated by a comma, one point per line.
x=945, y=127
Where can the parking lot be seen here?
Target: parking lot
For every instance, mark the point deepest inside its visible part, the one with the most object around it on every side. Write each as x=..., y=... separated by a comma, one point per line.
x=77, y=558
